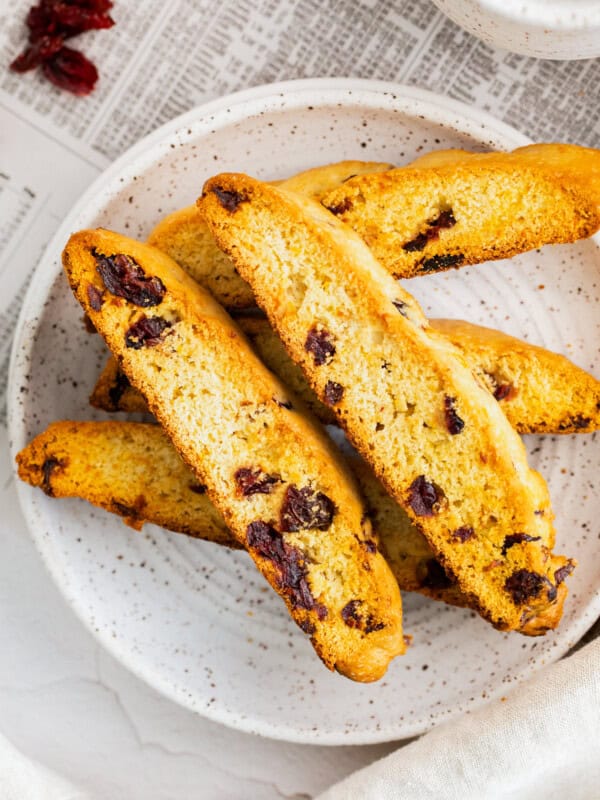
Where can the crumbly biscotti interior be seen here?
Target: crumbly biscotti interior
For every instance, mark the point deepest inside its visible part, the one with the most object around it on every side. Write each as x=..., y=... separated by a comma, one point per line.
x=272, y=472
x=403, y=393
x=466, y=209
x=538, y=391
x=184, y=236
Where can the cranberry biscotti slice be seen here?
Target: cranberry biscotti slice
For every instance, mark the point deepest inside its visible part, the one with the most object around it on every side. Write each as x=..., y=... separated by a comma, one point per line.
x=131, y=469
x=273, y=473
x=539, y=391
x=434, y=435
x=183, y=235
x=457, y=208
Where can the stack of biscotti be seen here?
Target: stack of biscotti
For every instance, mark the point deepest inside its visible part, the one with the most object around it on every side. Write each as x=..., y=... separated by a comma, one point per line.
x=405, y=396
x=537, y=391
x=272, y=472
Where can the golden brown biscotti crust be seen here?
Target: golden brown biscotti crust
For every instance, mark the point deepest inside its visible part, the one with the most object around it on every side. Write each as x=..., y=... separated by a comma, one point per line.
x=133, y=470
x=184, y=237
x=459, y=203
x=281, y=486
x=408, y=401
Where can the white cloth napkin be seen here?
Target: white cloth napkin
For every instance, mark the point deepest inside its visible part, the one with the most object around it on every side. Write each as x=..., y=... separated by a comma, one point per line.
x=24, y=779
x=541, y=743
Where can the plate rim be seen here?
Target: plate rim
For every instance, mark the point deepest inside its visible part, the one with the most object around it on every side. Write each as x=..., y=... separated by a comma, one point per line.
x=437, y=108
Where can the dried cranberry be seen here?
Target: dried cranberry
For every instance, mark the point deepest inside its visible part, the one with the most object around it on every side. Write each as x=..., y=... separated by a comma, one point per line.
x=289, y=562
x=350, y=614
x=333, y=392
x=116, y=391
x=95, y=296
x=71, y=70
x=434, y=226
x=230, y=200
x=517, y=538
x=454, y=423
x=523, y=585
x=424, y=497
x=36, y=53
x=146, y=332
x=48, y=467
x=562, y=572
x=435, y=576
x=320, y=343
x=353, y=619
x=124, y=277
x=305, y=509
x=502, y=391
x=341, y=208
x=254, y=481
x=436, y=263
x=74, y=19
x=463, y=534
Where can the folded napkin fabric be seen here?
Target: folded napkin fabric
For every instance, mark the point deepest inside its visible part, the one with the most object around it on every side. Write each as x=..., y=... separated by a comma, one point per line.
x=541, y=741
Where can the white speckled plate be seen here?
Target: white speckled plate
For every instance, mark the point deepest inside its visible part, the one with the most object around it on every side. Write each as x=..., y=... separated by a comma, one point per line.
x=196, y=621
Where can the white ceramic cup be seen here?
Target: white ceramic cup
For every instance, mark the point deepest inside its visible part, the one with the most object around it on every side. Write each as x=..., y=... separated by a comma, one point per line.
x=555, y=29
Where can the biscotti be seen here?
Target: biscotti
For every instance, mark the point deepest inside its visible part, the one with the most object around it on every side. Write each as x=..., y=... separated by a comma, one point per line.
x=409, y=402
x=539, y=391
x=459, y=208
x=272, y=472
x=133, y=470
x=113, y=392
x=128, y=468
x=183, y=235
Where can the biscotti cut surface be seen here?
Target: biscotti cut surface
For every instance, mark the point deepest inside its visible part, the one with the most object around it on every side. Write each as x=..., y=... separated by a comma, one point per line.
x=458, y=208
x=184, y=237
x=133, y=470
x=434, y=435
x=538, y=391
x=275, y=476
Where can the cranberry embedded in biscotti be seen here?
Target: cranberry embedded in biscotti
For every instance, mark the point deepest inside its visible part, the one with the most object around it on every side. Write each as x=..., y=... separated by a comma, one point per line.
x=454, y=423
x=523, y=585
x=229, y=199
x=95, y=297
x=254, y=481
x=146, y=332
x=304, y=509
x=517, y=538
x=320, y=344
x=333, y=393
x=463, y=534
x=425, y=497
x=123, y=277
x=290, y=563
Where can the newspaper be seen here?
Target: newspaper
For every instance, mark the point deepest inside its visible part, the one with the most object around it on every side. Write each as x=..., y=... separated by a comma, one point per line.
x=163, y=58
